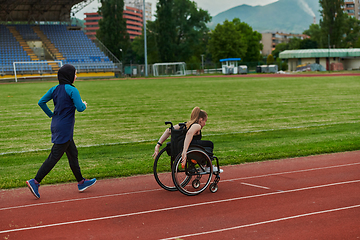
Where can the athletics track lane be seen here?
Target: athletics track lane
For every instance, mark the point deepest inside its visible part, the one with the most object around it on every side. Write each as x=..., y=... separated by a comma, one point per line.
x=316, y=197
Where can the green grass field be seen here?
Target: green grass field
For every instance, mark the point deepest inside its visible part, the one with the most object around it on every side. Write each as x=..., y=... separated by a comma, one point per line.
x=250, y=119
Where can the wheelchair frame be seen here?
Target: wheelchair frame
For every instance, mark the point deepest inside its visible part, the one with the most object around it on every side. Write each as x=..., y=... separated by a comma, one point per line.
x=198, y=171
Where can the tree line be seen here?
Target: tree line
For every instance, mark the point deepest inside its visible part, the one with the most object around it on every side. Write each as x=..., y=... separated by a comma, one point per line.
x=179, y=33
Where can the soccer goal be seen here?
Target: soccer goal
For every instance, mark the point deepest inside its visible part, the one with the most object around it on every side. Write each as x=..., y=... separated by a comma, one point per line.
x=169, y=69
x=36, y=69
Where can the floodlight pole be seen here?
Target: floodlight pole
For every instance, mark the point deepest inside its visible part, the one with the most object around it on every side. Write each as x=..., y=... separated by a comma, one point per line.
x=202, y=61
x=329, y=51
x=145, y=47
x=122, y=61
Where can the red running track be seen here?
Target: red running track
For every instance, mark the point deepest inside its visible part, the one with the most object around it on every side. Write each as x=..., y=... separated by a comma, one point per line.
x=315, y=197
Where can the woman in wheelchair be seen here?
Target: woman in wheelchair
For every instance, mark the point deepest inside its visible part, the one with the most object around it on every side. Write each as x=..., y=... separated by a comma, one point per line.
x=197, y=121
x=193, y=136
x=190, y=176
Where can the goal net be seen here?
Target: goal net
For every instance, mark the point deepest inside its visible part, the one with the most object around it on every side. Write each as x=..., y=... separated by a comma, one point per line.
x=169, y=69
x=36, y=69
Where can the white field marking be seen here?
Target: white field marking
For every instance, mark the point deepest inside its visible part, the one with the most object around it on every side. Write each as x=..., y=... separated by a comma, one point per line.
x=253, y=185
x=265, y=222
x=211, y=134
x=289, y=172
x=157, y=189
x=178, y=207
x=79, y=199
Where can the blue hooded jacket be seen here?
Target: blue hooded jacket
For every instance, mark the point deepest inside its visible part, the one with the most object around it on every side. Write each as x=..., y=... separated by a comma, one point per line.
x=66, y=99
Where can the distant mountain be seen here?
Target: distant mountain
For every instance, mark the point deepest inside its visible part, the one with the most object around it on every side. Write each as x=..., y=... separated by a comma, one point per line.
x=289, y=16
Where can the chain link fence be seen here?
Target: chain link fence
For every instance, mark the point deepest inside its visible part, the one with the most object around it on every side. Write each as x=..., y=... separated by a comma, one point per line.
x=138, y=70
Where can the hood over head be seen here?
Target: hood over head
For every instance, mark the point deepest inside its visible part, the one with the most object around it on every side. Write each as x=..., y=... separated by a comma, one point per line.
x=66, y=74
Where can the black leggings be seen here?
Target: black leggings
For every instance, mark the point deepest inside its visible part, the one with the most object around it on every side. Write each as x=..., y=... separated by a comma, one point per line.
x=208, y=145
x=57, y=151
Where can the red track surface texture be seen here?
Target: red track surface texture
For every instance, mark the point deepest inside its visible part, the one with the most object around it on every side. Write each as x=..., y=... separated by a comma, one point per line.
x=316, y=197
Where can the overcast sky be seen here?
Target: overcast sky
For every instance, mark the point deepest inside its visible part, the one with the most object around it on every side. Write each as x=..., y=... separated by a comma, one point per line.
x=212, y=6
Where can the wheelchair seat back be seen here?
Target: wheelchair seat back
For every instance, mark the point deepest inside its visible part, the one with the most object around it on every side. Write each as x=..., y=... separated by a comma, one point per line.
x=177, y=140
x=175, y=146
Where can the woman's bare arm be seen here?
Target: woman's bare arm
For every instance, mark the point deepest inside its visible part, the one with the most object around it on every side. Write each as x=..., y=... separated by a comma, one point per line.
x=188, y=138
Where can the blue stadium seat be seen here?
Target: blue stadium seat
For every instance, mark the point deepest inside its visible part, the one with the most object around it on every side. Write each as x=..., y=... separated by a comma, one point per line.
x=74, y=45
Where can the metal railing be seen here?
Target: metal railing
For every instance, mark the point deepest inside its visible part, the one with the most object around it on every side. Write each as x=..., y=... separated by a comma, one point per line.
x=115, y=60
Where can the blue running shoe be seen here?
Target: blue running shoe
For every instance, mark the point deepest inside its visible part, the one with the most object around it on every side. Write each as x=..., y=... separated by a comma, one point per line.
x=87, y=183
x=34, y=187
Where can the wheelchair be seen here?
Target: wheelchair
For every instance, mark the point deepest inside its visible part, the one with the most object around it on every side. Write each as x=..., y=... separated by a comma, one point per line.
x=198, y=172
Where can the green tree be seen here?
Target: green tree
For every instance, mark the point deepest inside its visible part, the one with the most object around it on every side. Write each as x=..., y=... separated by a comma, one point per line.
x=280, y=48
x=294, y=43
x=332, y=22
x=192, y=32
x=270, y=59
x=166, y=30
x=351, y=32
x=152, y=49
x=181, y=27
x=226, y=41
x=314, y=32
x=308, y=44
x=112, y=32
x=252, y=39
x=282, y=65
x=357, y=43
x=235, y=39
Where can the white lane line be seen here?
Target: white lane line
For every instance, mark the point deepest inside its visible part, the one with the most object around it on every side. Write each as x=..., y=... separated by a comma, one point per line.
x=265, y=222
x=79, y=199
x=178, y=207
x=290, y=172
x=253, y=185
x=157, y=189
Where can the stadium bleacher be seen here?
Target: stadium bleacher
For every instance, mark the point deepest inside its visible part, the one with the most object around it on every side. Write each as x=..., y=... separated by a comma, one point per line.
x=73, y=45
x=10, y=50
x=76, y=47
x=27, y=32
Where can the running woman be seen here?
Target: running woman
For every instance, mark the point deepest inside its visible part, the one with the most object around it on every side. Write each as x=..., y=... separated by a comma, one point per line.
x=66, y=99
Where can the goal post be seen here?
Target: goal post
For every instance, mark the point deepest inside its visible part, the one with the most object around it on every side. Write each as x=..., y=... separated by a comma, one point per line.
x=169, y=69
x=35, y=69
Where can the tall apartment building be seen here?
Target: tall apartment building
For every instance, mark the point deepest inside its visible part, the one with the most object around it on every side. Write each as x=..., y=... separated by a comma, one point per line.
x=351, y=7
x=270, y=40
x=139, y=5
x=91, y=24
x=133, y=13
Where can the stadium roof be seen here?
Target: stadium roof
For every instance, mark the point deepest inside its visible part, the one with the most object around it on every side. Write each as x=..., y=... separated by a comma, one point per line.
x=36, y=10
x=318, y=53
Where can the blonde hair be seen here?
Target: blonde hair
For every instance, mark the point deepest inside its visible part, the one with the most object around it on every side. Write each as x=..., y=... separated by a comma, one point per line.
x=196, y=114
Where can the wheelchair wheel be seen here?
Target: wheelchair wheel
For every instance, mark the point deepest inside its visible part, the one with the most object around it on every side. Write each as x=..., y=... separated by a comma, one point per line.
x=162, y=170
x=197, y=167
